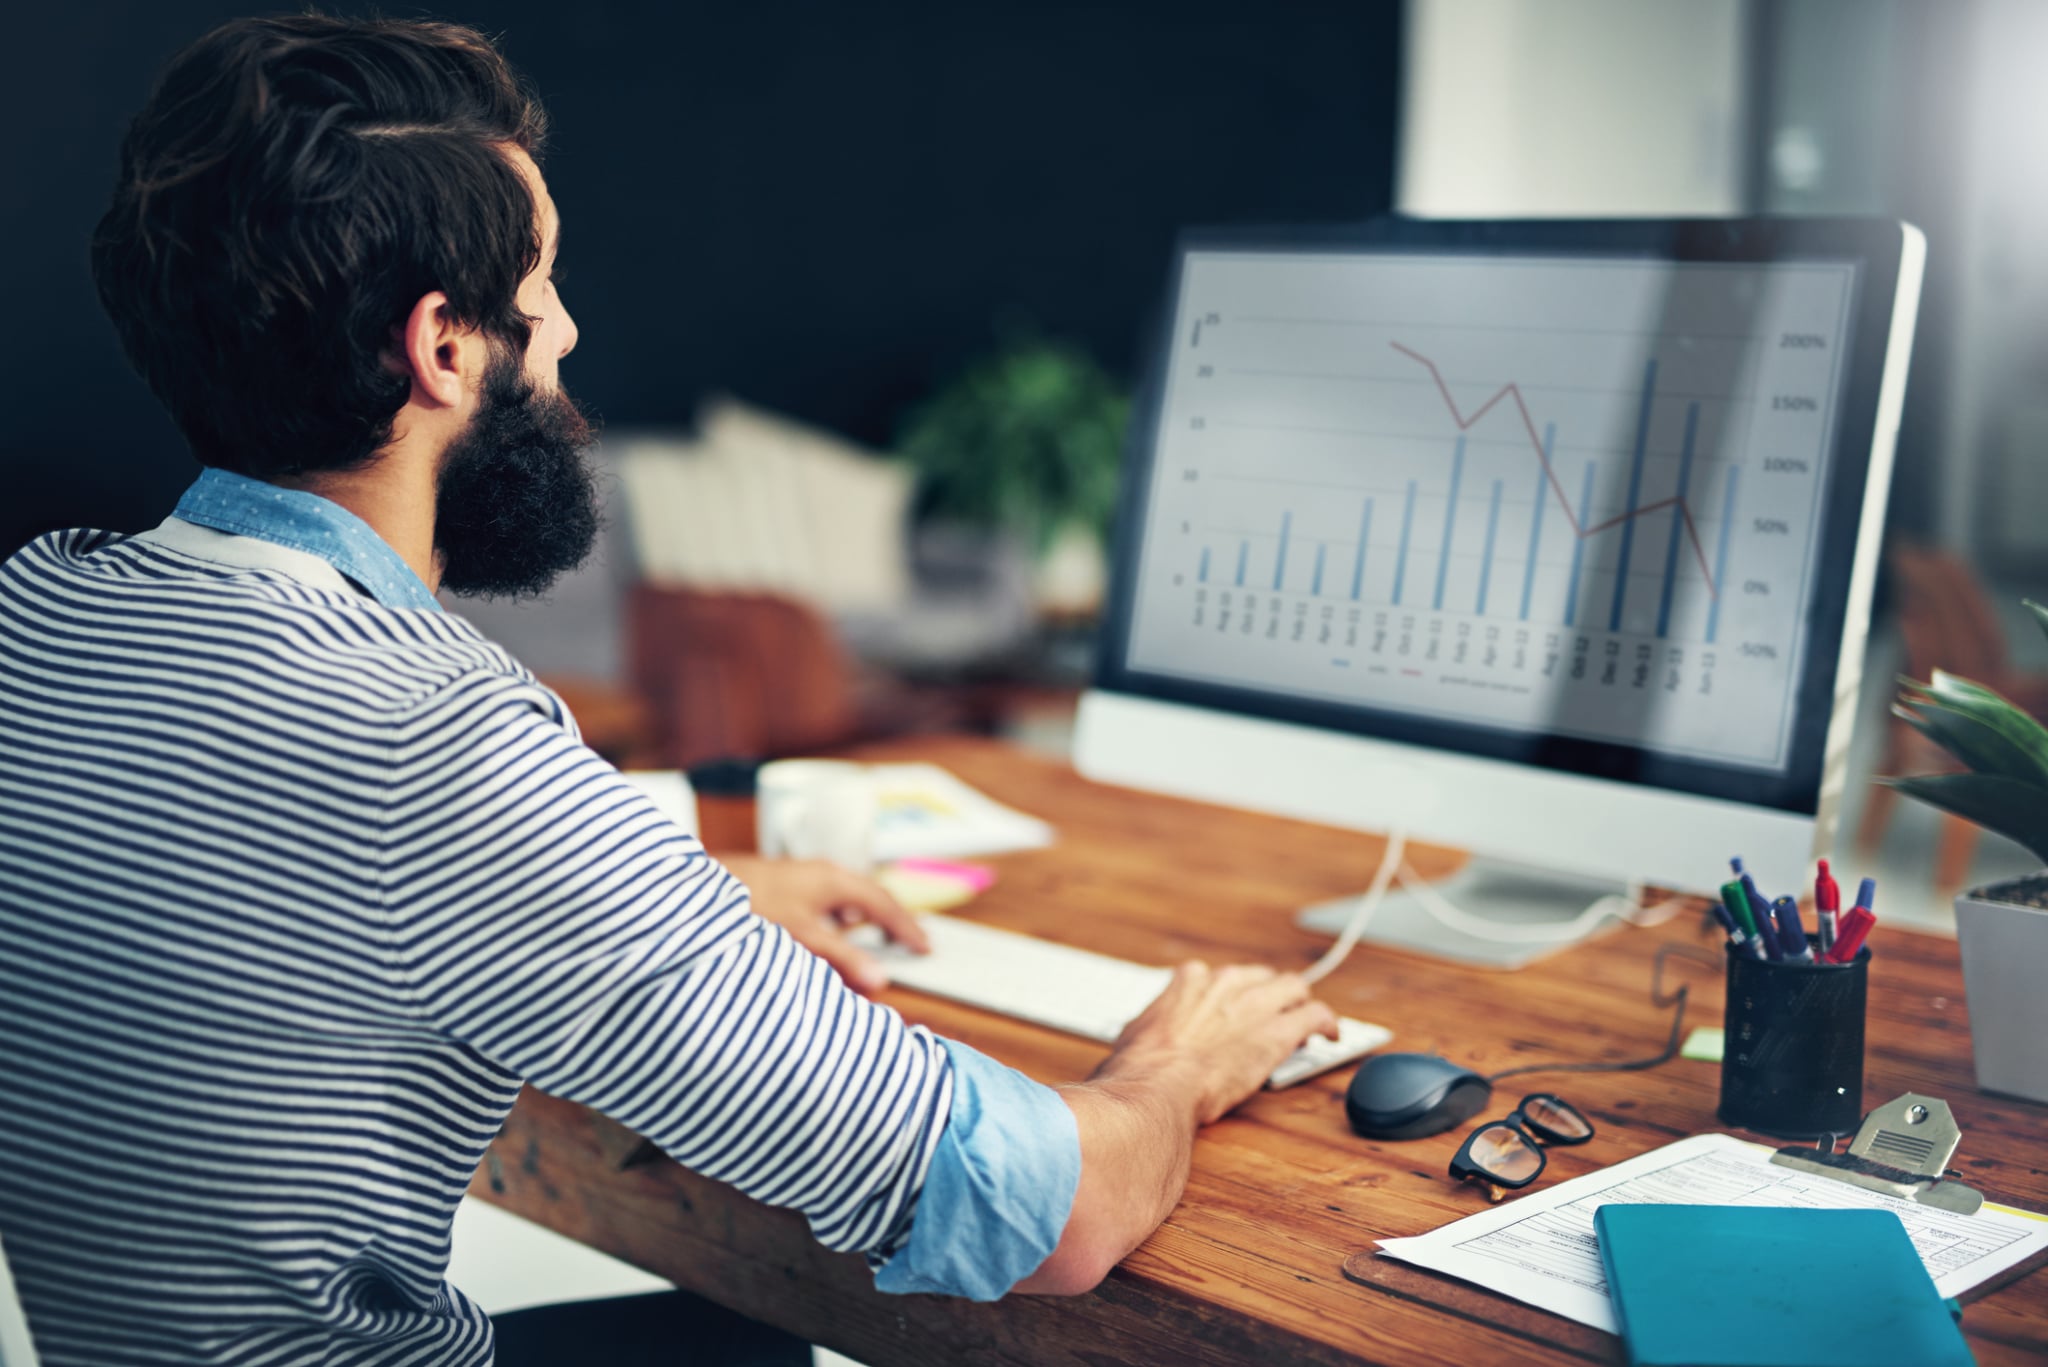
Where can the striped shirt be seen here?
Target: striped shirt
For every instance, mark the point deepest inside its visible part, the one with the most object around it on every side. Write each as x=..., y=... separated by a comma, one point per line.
x=297, y=886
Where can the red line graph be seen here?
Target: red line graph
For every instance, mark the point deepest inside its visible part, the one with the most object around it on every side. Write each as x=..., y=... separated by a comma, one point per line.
x=1511, y=390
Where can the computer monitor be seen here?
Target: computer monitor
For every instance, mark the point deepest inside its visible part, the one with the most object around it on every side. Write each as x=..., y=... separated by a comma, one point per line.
x=1553, y=541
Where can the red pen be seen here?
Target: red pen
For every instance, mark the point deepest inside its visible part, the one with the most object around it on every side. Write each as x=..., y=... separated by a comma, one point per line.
x=1827, y=900
x=1855, y=924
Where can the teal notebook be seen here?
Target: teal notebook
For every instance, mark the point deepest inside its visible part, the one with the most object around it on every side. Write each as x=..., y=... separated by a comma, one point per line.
x=1762, y=1286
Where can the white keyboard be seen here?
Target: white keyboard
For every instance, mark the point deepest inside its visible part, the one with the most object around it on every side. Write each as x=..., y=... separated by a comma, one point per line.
x=1081, y=993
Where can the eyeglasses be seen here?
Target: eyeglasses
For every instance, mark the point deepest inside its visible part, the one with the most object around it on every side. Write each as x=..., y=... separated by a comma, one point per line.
x=1508, y=1154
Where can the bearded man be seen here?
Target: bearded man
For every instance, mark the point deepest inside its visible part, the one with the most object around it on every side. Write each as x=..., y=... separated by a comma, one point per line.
x=301, y=878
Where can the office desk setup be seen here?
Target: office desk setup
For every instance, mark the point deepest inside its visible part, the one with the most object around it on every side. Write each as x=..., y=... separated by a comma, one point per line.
x=1270, y=1255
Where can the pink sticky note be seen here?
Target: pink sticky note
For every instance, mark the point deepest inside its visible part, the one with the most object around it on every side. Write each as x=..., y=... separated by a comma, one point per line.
x=980, y=877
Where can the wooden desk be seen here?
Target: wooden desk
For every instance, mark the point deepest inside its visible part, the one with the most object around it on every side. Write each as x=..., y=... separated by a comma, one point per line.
x=1268, y=1259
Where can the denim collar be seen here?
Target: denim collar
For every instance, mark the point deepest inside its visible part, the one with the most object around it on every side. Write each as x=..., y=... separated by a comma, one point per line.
x=228, y=502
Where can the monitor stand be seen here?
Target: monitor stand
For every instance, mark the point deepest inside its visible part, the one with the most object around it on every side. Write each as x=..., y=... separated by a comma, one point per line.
x=1503, y=894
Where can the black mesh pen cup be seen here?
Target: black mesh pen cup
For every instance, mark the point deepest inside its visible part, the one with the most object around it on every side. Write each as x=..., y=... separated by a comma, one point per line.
x=1792, y=1058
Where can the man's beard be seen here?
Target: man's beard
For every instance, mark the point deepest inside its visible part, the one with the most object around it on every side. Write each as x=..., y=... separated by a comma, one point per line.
x=517, y=501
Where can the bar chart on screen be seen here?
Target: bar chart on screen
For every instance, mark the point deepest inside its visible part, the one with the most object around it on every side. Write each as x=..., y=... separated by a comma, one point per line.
x=1577, y=497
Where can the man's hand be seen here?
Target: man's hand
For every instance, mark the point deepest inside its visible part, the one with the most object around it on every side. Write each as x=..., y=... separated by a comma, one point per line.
x=816, y=902
x=1207, y=1043
x=1215, y=1034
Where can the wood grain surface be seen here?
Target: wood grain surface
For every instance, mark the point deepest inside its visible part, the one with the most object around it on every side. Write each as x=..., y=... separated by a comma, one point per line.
x=1269, y=1257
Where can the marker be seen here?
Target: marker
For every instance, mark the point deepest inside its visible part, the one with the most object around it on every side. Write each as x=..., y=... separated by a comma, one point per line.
x=1739, y=939
x=1791, y=935
x=1856, y=923
x=1737, y=906
x=1827, y=901
x=1760, y=913
x=1736, y=864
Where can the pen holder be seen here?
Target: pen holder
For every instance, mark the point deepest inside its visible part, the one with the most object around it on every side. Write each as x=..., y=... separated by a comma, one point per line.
x=1792, y=1055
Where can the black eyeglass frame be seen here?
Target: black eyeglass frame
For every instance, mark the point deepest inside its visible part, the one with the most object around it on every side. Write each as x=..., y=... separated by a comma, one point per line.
x=1536, y=1134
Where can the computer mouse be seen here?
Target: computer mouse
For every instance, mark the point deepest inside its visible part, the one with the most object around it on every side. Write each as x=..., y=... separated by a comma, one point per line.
x=1411, y=1096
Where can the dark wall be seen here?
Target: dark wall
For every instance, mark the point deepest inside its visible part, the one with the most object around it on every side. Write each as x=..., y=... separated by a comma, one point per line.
x=825, y=207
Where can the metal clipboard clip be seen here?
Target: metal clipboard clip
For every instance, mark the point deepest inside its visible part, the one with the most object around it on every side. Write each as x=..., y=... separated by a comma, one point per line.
x=1902, y=1150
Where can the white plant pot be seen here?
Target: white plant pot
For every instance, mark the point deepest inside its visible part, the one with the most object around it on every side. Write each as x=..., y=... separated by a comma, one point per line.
x=2004, y=943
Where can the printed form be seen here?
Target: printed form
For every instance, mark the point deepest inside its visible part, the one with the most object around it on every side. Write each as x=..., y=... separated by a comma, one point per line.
x=1541, y=1248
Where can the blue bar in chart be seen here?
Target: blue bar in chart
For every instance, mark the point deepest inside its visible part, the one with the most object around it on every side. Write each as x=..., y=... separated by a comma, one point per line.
x=1443, y=560
x=1635, y=489
x=1692, y=424
x=1401, y=563
x=1358, y=565
x=1486, y=562
x=1571, y=597
x=1280, y=561
x=1318, y=588
x=1721, y=554
x=1205, y=564
x=1244, y=549
x=1536, y=521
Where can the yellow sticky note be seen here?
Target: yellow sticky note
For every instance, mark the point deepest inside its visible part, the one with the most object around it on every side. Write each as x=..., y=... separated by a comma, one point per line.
x=1705, y=1044
x=925, y=891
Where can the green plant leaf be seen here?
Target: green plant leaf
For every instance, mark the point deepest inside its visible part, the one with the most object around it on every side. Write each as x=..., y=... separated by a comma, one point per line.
x=1948, y=693
x=2040, y=614
x=1981, y=748
x=2016, y=810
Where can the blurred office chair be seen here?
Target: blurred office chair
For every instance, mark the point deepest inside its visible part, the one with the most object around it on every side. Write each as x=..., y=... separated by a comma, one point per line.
x=734, y=675
x=1946, y=622
x=17, y=1349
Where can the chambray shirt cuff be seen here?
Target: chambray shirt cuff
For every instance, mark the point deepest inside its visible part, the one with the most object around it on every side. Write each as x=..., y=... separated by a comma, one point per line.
x=999, y=1189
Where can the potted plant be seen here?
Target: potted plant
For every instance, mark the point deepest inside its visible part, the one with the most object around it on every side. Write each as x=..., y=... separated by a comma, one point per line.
x=2002, y=929
x=1028, y=442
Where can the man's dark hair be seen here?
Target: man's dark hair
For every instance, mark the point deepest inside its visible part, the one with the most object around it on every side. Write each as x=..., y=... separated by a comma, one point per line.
x=291, y=189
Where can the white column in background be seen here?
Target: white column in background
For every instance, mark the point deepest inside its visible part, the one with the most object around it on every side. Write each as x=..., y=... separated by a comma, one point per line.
x=1592, y=108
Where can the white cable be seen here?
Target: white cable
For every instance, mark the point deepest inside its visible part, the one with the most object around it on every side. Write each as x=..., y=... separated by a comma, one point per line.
x=1457, y=918
x=1626, y=907
x=1390, y=864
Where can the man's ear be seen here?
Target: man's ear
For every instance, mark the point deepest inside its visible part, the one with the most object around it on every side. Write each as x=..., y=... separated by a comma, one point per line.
x=439, y=353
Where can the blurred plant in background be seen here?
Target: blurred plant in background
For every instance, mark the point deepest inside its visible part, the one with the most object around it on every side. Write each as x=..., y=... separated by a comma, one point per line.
x=1028, y=441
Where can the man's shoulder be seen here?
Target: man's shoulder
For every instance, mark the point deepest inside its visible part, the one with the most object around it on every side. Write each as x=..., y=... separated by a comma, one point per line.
x=275, y=627
x=50, y=550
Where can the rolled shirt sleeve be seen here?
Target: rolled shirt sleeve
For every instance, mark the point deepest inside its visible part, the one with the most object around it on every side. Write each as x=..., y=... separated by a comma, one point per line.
x=1000, y=1186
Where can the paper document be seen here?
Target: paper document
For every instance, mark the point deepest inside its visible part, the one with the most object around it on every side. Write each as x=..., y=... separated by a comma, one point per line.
x=921, y=811
x=1541, y=1248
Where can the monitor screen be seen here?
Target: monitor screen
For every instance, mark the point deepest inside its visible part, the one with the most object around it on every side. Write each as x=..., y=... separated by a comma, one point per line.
x=1588, y=509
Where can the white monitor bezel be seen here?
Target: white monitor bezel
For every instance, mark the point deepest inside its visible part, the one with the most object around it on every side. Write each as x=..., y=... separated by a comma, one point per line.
x=1503, y=808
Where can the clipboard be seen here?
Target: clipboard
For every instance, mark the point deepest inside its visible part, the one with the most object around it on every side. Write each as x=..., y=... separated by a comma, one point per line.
x=1902, y=1149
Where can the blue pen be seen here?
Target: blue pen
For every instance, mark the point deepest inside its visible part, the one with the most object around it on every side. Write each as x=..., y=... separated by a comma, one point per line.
x=1760, y=910
x=1736, y=864
x=1791, y=935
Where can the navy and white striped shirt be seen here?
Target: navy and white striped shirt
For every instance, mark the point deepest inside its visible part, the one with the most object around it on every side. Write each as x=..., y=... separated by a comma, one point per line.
x=297, y=886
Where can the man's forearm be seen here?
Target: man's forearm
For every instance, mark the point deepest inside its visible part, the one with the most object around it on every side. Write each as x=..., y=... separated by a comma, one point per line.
x=1137, y=1138
x=1209, y=1041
